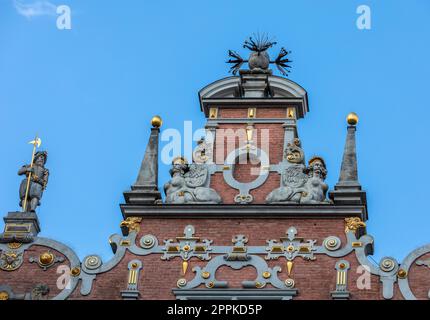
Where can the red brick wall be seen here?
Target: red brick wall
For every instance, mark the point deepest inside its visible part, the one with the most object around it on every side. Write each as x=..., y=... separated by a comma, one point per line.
x=273, y=147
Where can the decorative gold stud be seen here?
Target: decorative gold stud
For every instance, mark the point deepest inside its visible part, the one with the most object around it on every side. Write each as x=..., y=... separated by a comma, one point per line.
x=76, y=271
x=266, y=275
x=206, y=275
x=402, y=274
x=46, y=258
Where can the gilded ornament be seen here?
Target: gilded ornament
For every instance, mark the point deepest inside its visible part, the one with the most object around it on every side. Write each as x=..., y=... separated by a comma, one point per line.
x=76, y=271
x=289, y=267
x=206, y=275
x=156, y=122
x=14, y=245
x=10, y=260
x=402, y=274
x=46, y=259
x=184, y=267
x=353, y=224
x=266, y=275
x=294, y=153
x=131, y=224
x=4, y=296
x=352, y=119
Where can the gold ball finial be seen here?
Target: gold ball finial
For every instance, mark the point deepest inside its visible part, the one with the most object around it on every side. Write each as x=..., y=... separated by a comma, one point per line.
x=156, y=122
x=352, y=119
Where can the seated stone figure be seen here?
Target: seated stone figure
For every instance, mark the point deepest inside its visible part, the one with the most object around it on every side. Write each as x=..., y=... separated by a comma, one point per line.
x=302, y=185
x=315, y=187
x=293, y=181
x=189, y=184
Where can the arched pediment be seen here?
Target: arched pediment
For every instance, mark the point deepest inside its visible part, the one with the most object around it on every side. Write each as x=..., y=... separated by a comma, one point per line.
x=229, y=90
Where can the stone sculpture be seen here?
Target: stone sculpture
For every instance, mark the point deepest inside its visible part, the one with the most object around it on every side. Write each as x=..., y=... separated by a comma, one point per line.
x=38, y=180
x=315, y=188
x=189, y=184
x=302, y=185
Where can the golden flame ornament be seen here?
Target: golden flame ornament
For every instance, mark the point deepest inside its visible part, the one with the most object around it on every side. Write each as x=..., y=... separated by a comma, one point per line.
x=184, y=267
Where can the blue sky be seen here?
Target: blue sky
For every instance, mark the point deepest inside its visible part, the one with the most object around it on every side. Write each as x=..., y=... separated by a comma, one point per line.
x=90, y=92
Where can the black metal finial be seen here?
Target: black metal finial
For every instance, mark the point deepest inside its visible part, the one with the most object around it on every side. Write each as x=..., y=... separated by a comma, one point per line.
x=259, y=58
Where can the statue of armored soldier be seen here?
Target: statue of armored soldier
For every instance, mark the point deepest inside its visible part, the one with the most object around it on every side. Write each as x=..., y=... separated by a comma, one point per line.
x=31, y=191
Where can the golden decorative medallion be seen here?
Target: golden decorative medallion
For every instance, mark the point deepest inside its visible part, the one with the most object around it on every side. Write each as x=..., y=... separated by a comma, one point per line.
x=266, y=275
x=206, y=275
x=46, y=259
x=10, y=260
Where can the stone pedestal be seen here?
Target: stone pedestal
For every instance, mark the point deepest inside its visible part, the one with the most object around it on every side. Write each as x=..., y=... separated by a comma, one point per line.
x=20, y=227
x=254, y=84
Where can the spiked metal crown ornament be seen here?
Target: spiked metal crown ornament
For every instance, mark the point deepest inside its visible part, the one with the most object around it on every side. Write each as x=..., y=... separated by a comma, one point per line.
x=259, y=59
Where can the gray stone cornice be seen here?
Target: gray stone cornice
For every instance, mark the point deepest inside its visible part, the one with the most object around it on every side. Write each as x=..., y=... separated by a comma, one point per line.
x=244, y=211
